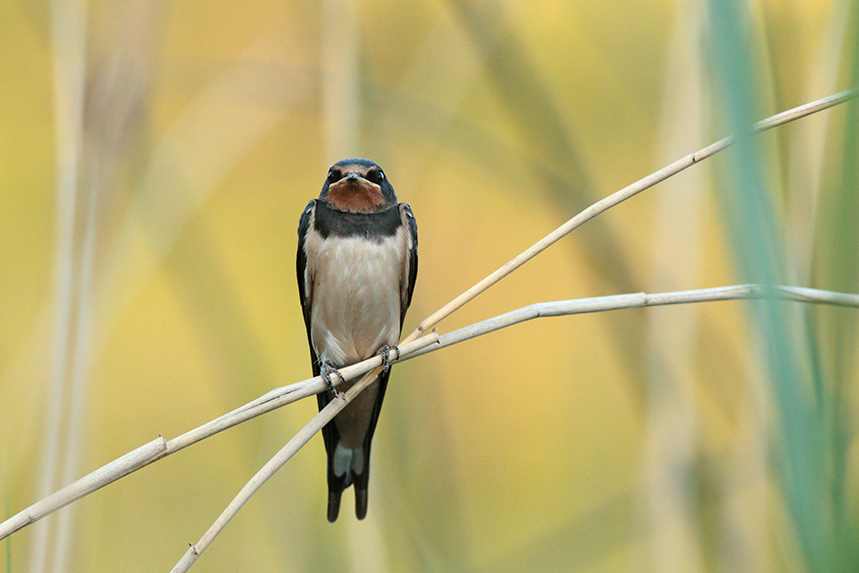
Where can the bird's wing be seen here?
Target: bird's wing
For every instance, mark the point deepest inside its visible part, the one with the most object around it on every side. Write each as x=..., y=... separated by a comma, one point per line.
x=410, y=265
x=305, y=281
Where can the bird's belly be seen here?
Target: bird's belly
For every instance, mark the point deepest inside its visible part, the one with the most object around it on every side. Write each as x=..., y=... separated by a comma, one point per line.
x=356, y=297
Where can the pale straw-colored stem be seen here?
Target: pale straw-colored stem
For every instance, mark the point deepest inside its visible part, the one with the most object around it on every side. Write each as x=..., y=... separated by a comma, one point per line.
x=637, y=300
x=296, y=443
x=409, y=347
x=111, y=472
x=158, y=448
x=607, y=203
x=544, y=309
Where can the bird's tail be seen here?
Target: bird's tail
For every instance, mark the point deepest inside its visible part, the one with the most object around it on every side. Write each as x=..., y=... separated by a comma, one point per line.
x=333, y=504
x=351, y=467
x=361, y=481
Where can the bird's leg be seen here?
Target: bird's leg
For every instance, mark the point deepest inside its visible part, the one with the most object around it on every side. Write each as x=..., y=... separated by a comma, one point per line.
x=385, y=351
x=325, y=371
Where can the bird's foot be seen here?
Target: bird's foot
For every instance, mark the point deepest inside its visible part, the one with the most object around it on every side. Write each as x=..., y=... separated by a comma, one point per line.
x=385, y=351
x=325, y=371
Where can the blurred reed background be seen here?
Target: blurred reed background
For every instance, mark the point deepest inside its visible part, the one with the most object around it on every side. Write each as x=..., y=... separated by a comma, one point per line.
x=155, y=157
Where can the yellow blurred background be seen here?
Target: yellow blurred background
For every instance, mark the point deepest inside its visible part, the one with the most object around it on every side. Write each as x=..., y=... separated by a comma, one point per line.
x=155, y=158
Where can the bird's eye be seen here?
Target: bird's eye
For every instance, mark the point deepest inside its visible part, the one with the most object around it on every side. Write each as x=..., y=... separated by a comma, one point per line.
x=376, y=176
x=381, y=176
x=332, y=177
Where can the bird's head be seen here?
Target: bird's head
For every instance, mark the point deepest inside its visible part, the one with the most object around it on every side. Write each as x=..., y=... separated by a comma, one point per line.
x=357, y=186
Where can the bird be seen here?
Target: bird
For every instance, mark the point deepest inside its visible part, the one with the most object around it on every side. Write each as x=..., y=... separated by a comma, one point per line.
x=356, y=266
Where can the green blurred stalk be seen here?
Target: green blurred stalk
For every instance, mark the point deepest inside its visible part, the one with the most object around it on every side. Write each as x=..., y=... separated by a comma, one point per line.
x=804, y=449
x=838, y=267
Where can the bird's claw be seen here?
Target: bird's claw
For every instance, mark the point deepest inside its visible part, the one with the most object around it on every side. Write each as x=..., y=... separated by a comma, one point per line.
x=325, y=371
x=385, y=351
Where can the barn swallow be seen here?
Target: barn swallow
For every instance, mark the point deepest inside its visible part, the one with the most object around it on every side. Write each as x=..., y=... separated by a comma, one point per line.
x=357, y=262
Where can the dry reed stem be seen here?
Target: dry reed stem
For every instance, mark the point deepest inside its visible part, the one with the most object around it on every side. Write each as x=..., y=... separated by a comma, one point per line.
x=620, y=196
x=538, y=310
x=296, y=443
x=159, y=448
x=531, y=312
x=410, y=347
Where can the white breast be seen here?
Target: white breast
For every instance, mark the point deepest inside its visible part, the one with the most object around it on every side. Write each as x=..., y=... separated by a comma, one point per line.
x=356, y=286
